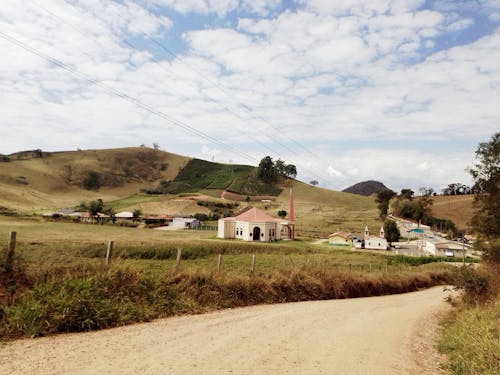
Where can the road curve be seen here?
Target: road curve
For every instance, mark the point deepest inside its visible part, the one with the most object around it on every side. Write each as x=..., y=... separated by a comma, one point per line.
x=377, y=335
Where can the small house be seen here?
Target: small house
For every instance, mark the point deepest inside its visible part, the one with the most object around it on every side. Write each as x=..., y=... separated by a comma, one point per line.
x=185, y=222
x=124, y=216
x=340, y=239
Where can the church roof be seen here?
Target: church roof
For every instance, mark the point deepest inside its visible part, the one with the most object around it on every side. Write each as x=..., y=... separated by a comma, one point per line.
x=253, y=214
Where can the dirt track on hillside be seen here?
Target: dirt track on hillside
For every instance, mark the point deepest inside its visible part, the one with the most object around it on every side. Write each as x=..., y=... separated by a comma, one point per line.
x=377, y=335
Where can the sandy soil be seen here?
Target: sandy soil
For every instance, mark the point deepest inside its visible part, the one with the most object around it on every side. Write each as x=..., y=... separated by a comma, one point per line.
x=378, y=335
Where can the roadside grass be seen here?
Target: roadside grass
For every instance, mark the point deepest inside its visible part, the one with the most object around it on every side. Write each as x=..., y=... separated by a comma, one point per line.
x=471, y=331
x=471, y=339
x=96, y=297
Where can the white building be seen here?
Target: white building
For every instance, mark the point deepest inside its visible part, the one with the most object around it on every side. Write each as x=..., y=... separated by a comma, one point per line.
x=375, y=242
x=255, y=225
x=441, y=247
x=185, y=222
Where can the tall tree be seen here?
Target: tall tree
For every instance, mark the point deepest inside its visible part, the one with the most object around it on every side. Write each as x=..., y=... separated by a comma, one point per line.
x=382, y=199
x=290, y=171
x=486, y=175
x=407, y=193
x=266, y=170
x=391, y=231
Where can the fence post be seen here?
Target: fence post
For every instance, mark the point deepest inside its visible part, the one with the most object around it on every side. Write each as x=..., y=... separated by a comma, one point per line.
x=370, y=267
x=283, y=261
x=10, y=252
x=178, y=258
x=109, y=251
x=219, y=261
x=350, y=268
x=252, y=269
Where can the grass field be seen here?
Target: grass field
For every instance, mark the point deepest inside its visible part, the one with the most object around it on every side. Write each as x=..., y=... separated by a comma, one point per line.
x=457, y=208
x=43, y=246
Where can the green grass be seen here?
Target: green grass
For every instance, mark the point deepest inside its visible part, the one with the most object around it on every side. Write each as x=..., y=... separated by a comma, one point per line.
x=471, y=339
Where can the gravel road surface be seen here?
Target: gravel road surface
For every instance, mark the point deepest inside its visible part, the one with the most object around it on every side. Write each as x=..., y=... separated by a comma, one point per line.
x=378, y=335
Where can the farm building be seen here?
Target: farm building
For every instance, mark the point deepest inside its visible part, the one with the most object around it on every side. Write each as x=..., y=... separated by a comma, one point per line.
x=255, y=225
x=185, y=222
x=125, y=215
x=375, y=242
x=340, y=239
x=441, y=247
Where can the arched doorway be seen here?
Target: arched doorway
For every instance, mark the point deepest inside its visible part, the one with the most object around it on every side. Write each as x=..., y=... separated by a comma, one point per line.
x=256, y=234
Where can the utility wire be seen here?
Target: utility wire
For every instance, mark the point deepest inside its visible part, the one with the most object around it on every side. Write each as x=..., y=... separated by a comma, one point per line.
x=124, y=96
x=161, y=114
x=223, y=90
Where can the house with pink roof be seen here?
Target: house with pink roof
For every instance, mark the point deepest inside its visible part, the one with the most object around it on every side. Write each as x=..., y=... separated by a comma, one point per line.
x=255, y=225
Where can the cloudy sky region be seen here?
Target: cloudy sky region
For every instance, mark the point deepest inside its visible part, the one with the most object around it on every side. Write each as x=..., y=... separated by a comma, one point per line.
x=400, y=91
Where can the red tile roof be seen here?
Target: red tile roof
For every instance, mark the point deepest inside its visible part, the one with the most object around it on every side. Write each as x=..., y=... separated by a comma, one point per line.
x=253, y=214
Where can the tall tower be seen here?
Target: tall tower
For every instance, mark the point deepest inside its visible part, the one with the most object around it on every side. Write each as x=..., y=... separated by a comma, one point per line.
x=367, y=232
x=382, y=233
x=292, y=216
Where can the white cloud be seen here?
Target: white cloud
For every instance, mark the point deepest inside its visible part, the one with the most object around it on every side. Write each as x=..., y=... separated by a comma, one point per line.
x=347, y=81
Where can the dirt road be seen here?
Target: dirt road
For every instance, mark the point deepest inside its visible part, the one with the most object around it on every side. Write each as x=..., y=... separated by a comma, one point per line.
x=378, y=335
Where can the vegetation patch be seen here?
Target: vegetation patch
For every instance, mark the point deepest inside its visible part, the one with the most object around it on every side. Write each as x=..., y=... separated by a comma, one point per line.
x=92, y=298
x=471, y=339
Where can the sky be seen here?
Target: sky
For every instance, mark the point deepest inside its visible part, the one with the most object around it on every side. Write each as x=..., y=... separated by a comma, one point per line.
x=399, y=91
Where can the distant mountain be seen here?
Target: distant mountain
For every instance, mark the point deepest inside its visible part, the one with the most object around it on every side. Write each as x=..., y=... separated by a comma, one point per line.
x=365, y=188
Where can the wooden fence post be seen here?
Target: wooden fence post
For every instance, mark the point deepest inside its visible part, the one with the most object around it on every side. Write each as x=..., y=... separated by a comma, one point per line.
x=370, y=267
x=109, y=251
x=252, y=269
x=350, y=267
x=219, y=261
x=283, y=261
x=178, y=258
x=10, y=252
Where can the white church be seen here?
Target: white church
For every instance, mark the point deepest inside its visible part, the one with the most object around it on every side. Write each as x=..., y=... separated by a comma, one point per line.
x=375, y=242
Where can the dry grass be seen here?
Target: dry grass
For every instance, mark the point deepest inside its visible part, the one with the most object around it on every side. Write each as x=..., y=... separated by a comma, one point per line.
x=456, y=208
x=44, y=187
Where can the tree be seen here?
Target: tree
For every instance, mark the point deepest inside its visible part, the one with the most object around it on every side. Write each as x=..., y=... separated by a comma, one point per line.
x=282, y=213
x=95, y=207
x=280, y=167
x=314, y=182
x=92, y=180
x=266, y=171
x=486, y=175
x=136, y=215
x=407, y=193
x=426, y=191
x=382, y=199
x=290, y=171
x=391, y=231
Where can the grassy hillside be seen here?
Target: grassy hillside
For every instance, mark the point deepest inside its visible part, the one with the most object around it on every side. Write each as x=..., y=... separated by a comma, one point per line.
x=34, y=182
x=457, y=208
x=58, y=179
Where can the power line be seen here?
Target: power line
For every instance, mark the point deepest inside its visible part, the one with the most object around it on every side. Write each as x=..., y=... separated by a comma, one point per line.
x=223, y=90
x=161, y=66
x=157, y=112
x=124, y=96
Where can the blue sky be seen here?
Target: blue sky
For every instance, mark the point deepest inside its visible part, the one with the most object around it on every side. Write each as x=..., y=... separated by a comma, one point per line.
x=400, y=91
